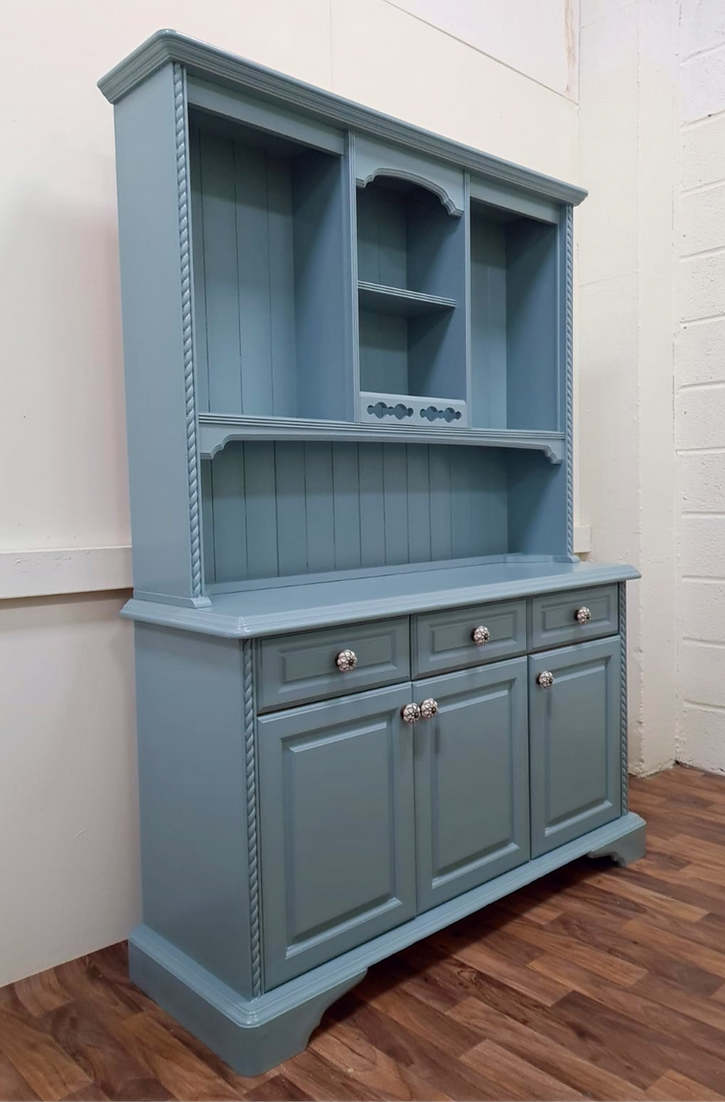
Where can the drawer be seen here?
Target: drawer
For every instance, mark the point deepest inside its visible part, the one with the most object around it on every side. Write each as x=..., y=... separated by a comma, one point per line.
x=297, y=668
x=554, y=617
x=444, y=640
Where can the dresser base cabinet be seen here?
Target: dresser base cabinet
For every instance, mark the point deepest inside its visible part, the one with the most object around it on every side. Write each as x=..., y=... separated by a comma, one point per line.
x=254, y=1035
x=285, y=850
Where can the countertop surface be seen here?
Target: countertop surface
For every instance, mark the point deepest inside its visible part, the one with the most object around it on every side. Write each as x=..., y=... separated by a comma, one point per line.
x=301, y=604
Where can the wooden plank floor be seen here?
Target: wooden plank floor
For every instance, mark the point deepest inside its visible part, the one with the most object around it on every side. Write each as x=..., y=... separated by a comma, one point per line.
x=596, y=982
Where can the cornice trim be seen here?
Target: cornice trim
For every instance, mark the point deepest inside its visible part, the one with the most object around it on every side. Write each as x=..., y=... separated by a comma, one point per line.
x=200, y=59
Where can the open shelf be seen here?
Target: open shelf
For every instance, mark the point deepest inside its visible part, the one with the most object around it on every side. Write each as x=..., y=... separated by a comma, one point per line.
x=515, y=328
x=215, y=431
x=411, y=256
x=397, y=302
x=269, y=226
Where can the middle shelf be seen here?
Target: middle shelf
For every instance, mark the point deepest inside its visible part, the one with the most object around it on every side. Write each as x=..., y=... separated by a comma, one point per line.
x=399, y=302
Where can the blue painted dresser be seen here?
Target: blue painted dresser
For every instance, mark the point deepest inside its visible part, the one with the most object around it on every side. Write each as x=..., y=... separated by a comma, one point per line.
x=376, y=690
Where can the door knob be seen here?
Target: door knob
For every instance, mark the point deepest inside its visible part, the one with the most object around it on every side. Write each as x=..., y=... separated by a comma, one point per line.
x=480, y=635
x=410, y=713
x=346, y=660
x=428, y=708
x=545, y=679
x=582, y=615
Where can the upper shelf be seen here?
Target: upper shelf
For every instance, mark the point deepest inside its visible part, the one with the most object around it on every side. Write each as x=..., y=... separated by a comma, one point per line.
x=215, y=431
x=398, y=302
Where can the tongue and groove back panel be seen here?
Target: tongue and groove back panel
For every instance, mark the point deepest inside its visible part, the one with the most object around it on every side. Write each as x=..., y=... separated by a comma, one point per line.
x=272, y=291
x=274, y=510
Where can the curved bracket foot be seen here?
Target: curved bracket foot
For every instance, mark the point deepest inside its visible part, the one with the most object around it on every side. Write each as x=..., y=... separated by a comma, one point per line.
x=630, y=847
x=252, y=1035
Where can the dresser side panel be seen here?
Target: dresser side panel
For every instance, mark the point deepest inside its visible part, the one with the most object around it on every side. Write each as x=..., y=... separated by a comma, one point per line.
x=153, y=342
x=194, y=829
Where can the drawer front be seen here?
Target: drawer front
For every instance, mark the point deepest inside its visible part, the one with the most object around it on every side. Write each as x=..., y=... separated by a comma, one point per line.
x=444, y=641
x=297, y=668
x=554, y=617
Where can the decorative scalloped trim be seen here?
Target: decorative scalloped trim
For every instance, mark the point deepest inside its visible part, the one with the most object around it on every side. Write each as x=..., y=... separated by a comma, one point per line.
x=435, y=413
x=569, y=369
x=623, y=696
x=187, y=323
x=382, y=409
x=421, y=181
x=250, y=766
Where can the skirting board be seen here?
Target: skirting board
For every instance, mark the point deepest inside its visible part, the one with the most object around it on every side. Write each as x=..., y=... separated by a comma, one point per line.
x=254, y=1035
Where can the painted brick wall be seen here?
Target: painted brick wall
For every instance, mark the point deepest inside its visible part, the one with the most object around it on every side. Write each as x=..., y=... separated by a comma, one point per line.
x=700, y=385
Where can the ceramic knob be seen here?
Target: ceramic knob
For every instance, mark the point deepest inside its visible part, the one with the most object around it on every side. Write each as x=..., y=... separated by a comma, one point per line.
x=346, y=660
x=582, y=615
x=428, y=708
x=480, y=635
x=411, y=713
x=545, y=679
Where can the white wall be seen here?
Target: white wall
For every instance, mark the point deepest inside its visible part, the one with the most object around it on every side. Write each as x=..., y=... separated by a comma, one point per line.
x=625, y=430
x=652, y=365
x=68, y=862
x=700, y=385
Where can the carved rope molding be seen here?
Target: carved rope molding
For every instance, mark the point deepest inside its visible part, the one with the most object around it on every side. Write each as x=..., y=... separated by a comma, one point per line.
x=623, y=695
x=187, y=322
x=250, y=766
x=569, y=369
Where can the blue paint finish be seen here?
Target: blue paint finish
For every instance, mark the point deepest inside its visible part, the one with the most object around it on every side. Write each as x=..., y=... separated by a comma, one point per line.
x=191, y=757
x=338, y=859
x=253, y=1035
x=304, y=603
x=153, y=338
x=471, y=780
x=294, y=669
x=286, y=509
x=574, y=742
x=443, y=641
x=364, y=332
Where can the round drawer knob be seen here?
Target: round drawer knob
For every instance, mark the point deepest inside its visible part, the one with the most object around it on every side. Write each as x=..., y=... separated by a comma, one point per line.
x=346, y=660
x=480, y=635
x=583, y=615
x=428, y=708
x=410, y=713
x=545, y=679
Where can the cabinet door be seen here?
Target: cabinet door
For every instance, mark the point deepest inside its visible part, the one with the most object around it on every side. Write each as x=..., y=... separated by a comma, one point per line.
x=574, y=742
x=471, y=780
x=337, y=827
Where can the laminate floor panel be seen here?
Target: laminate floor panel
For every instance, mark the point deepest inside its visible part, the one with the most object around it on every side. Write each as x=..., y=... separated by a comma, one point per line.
x=593, y=983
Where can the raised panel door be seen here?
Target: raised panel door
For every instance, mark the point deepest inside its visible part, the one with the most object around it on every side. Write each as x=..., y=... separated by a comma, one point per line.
x=337, y=827
x=574, y=742
x=471, y=780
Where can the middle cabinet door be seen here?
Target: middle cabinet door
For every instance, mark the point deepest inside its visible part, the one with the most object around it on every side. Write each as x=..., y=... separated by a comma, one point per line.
x=471, y=780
